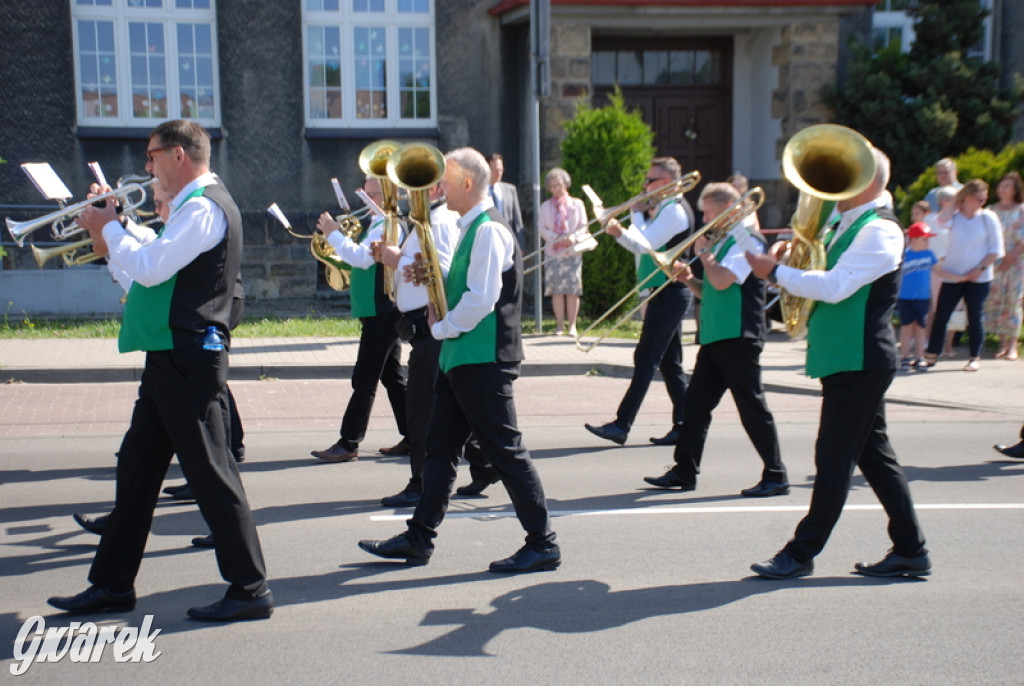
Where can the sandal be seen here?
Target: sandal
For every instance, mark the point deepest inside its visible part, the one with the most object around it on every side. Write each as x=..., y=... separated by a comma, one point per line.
x=929, y=360
x=973, y=365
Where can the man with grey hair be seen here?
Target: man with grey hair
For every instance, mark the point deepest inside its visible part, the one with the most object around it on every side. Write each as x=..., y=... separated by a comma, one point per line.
x=945, y=175
x=481, y=352
x=851, y=347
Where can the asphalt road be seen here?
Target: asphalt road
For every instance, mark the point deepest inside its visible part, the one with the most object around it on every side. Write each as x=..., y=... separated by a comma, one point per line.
x=655, y=586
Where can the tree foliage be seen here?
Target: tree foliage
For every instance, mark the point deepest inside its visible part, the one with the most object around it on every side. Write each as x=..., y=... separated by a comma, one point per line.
x=610, y=149
x=932, y=102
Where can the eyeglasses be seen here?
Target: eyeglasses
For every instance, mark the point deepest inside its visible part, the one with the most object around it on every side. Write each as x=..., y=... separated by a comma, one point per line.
x=150, y=153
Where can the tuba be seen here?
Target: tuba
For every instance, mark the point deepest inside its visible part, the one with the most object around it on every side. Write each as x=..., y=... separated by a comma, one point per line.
x=373, y=161
x=826, y=163
x=417, y=167
x=337, y=272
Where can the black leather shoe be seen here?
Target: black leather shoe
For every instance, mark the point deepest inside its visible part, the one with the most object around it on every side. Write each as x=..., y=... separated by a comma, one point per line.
x=608, y=432
x=670, y=480
x=407, y=498
x=529, y=559
x=896, y=565
x=765, y=489
x=90, y=524
x=95, y=599
x=783, y=566
x=184, y=494
x=397, y=547
x=204, y=542
x=397, y=450
x=175, y=490
x=1016, y=451
x=238, y=453
x=231, y=610
x=478, y=485
x=671, y=438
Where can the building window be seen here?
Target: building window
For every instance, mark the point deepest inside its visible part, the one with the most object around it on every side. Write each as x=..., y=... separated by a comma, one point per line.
x=369, y=63
x=140, y=62
x=657, y=67
x=892, y=24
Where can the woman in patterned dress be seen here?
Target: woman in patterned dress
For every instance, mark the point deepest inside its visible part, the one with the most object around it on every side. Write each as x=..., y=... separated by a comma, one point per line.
x=562, y=224
x=1003, y=309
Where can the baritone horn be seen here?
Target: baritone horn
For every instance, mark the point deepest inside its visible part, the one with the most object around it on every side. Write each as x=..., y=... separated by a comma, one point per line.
x=373, y=161
x=417, y=168
x=602, y=215
x=337, y=272
x=826, y=163
x=715, y=230
x=63, y=222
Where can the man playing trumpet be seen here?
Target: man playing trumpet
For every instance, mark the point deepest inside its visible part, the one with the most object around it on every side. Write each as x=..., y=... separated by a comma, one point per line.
x=732, y=334
x=660, y=346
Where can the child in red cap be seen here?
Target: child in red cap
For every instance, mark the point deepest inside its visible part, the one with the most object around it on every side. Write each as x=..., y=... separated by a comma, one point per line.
x=915, y=296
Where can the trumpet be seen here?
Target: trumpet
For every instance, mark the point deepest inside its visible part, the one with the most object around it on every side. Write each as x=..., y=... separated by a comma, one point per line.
x=63, y=222
x=603, y=216
x=715, y=230
x=417, y=167
x=337, y=272
x=373, y=161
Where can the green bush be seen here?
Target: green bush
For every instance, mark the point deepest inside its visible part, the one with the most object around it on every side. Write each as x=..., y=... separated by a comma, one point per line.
x=610, y=149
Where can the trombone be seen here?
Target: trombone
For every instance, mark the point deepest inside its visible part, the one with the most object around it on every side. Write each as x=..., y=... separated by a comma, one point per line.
x=715, y=230
x=602, y=216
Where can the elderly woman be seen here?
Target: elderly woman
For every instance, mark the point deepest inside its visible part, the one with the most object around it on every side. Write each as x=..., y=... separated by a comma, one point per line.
x=1003, y=307
x=975, y=243
x=562, y=224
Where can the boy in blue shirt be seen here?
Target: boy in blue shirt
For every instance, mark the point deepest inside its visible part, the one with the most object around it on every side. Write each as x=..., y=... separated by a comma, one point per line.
x=915, y=295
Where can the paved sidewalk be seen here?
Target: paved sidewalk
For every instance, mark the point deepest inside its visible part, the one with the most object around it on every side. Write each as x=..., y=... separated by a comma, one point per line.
x=998, y=387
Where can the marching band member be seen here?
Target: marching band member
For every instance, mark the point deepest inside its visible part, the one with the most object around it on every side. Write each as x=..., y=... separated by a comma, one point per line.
x=851, y=347
x=183, y=285
x=660, y=345
x=481, y=352
x=412, y=302
x=732, y=334
x=379, y=355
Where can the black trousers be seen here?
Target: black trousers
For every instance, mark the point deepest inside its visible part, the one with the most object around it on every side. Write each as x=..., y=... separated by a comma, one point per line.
x=660, y=347
x=733, y=364
x=419, y=398
x=477, y=399
x=852, y=433
x=180, y=410
x=379, y=359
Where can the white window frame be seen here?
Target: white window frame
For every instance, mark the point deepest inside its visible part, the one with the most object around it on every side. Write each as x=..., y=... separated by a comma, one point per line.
x=121, y=13
x=391, y=20
x=896, y=20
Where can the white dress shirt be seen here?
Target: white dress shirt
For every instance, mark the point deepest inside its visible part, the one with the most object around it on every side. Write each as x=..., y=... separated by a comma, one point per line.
x=138, y=254
x=645, y=235
x=358, y=255
x=735, y=260
x=493, y=253
x=875, y=251
x=445, y=230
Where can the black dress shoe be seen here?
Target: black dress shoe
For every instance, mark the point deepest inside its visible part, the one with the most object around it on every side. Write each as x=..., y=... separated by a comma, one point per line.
x=204, y=542
x=670, y=480
x=1016, y=451
x=231, y=610
x=407, y=498
x=397, y=547
x=238, y=453
x=397, y=450
x=184, y=494
x=479, y=484
x=765, y=489
x=95, y=599
x=896, y=565
x=529, y=559
x=671, y=438
x=609, y=432
x=783, y=566
x=90, y=524
x=175, y=490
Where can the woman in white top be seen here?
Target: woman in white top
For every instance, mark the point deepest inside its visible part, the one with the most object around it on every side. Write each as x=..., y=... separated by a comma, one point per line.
x=975, y=243
x=562, y=224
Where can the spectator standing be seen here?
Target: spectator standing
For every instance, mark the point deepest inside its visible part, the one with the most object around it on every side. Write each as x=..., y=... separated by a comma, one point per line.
x=562, y=223
x=1003, y=310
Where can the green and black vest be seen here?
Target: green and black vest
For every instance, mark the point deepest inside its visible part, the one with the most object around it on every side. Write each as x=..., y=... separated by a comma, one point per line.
x=645, y=265
x=498, y=336
x=366, y=291
x=175, y=313
x=854, y=334
x=733, y=312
